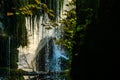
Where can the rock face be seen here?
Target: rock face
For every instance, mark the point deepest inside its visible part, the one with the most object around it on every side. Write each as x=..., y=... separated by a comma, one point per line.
x=39, y=60
x=3, y=52
x=10, y=35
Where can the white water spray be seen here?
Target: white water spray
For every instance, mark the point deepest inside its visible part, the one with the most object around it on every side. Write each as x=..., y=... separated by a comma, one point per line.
x=37, y=32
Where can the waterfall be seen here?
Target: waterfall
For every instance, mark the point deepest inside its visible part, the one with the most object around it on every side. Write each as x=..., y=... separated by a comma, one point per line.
x=56, y=62
x=39, y=37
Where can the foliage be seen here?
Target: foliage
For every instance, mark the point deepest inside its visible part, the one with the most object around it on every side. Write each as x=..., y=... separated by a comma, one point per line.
x=34, y=8
x=75, y=28
x=69, y=26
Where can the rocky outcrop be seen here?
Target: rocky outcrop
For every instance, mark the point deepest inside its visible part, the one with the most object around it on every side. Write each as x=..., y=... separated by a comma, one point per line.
x=39, y=60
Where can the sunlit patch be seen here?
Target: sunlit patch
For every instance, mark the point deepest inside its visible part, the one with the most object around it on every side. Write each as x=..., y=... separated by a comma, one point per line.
x=69, y=0
x=10, y=13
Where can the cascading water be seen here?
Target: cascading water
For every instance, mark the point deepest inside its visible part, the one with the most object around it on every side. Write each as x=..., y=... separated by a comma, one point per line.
x=54, y=62
x=59, y=54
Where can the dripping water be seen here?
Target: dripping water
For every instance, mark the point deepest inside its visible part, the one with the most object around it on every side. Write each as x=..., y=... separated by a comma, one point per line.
x=59, y=54
x=35, y=35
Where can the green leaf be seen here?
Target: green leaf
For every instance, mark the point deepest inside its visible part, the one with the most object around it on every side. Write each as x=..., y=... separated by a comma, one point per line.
x=79, y=28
